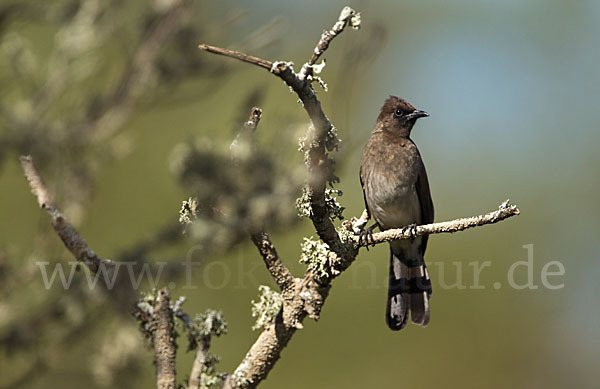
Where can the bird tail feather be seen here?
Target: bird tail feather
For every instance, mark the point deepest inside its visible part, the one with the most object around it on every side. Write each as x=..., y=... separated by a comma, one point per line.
x=409, y=290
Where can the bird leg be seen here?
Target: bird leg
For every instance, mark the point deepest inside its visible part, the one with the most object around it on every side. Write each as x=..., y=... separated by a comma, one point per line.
x=365, y=234
x=411, y=229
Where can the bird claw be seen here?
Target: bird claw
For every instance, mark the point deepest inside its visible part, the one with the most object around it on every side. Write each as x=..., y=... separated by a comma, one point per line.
x=364, y=235
x=411, y=230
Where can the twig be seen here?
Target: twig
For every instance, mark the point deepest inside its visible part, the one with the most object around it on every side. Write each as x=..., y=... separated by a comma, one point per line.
x=505, y=210
x=347, y=16
x=260, y=238
x=278, y=270
x=164, y=341
x=241, y=147
x=67, y=233
x=203, y=344
x=263, y=63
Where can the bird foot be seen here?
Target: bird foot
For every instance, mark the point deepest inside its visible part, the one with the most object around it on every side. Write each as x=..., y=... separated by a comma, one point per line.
x=364, y=235
x=411, y=230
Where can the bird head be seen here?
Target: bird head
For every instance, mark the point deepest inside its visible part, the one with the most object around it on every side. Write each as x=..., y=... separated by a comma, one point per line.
x=399, y=116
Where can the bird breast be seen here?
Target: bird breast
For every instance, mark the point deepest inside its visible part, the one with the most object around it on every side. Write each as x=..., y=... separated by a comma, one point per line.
x=389, y=179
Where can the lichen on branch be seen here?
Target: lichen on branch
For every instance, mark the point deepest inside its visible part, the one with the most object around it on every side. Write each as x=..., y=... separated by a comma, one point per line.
x=266, y=308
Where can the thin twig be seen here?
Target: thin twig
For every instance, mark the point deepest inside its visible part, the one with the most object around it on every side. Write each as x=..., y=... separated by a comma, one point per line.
x=67, y=233
x=164, y=341
x=263, y=63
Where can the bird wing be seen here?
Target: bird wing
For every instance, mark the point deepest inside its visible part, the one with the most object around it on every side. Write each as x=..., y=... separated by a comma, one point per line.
x=426, y=203
x=362, y=185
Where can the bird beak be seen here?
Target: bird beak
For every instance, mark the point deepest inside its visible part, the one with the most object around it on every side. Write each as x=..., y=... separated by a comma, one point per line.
x=417, y=114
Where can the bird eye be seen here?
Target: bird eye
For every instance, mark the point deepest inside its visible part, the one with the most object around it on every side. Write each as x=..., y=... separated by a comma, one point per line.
x=399, y=112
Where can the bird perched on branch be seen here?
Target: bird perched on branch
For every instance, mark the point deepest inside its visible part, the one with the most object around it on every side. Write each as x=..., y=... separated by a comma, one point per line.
x=396, y=192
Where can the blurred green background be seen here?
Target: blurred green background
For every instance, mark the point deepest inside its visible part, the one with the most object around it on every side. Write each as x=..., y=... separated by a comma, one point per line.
x=512, y=88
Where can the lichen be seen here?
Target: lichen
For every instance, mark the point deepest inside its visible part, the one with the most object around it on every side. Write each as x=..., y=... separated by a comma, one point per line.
x=319, y=259
x=188, y=212
x=209, y=378
x=200, y=330
x=266, y=308
x=209, y=323
x=303, y=204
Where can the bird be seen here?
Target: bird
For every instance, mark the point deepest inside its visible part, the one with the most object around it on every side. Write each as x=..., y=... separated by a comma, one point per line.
x=397, y=195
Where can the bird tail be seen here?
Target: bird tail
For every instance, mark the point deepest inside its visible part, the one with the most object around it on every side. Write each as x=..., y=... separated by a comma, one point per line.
x=409, y=290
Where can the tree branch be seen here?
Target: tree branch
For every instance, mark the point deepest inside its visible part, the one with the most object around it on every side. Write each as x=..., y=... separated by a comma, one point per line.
x=347, y=16
x=505, y=210
x=263, y=63
x=203, y=345
x=198, y=365
x=280, y=273
x=67, y=233
x=261, y=357
x=260, y=238
x=164, y=342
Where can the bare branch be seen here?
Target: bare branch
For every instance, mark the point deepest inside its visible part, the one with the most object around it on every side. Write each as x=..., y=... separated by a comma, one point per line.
x=164, y=342
x=263, y=63
x=67, y=233
x=278, y=270
x=505, y=210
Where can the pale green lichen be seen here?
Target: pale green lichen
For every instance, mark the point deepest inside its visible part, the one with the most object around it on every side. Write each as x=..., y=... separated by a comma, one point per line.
x=144, y=313
x=334, y=208
x=188, y=212
x=238, y=377
x=319, y=259
x=209, y=323
x=209, y=378
x=266, y=308
x=200, y=330
x=303, y=204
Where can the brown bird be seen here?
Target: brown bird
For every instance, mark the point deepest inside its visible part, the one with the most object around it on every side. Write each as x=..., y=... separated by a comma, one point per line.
x=396, y=191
